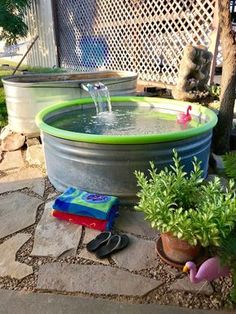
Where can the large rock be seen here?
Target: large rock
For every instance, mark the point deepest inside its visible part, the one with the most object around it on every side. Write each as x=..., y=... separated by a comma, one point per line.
x=140, y=254
x=53, y=237
x=8, y=265
x=96, y=279
x=17, y=211
x=32, y=141
x=133, y=222
x=12, y=161
x=185, y=284
x=35, y=155
x=31, y=178
x=10, y=140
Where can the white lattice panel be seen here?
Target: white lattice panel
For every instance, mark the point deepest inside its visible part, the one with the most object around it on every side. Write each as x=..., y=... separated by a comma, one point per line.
x=145, y=36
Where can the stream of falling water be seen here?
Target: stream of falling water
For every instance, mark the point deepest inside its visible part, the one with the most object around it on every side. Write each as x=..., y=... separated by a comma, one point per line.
x=100, y=95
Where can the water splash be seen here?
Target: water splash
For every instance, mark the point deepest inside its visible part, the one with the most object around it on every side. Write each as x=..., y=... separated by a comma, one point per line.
x=100, y=95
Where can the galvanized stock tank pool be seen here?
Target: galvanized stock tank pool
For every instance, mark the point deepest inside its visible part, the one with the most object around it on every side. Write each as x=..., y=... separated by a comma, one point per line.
x=99, y=153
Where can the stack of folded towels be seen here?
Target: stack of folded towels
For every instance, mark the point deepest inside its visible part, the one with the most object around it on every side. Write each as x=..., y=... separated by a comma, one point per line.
x=94, y=211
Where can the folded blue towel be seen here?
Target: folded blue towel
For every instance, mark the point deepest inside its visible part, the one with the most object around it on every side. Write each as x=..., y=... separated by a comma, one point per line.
x=77, y=202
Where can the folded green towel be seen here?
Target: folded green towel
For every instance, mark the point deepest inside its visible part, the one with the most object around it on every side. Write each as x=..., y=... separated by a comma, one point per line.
x=74, y=201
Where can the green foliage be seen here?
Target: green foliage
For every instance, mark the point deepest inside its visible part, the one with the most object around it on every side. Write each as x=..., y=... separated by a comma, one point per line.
x=45, y=70
x=12, y=20
x=227, y=254
x=185, y=206
x=227, y=250
x=214, y=90
x=229, y=161
x=3, y=109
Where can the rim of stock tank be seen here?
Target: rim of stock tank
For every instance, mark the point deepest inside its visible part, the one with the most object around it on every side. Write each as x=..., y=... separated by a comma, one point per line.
x=164, y=104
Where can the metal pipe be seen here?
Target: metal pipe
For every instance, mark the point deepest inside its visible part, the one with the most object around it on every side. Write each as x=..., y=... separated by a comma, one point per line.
x=28, y=50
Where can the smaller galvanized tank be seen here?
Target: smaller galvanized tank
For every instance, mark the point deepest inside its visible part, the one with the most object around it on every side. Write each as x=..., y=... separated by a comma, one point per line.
x=26, y=95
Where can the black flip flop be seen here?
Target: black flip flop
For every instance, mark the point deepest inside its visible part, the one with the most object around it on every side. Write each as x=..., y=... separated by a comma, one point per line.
x=115, y=244
x=100, y=239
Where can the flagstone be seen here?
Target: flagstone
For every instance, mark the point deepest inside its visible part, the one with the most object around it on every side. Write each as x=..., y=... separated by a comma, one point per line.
x=31, y=178
x=184, y=284
x=12, y=161
x=92, y=257
x=90, y=234
x=17, y=211
x=53, y=237
x=8, y=265
x=96, y=279
x=35, y=155
x=133, y=222
x=140, y=254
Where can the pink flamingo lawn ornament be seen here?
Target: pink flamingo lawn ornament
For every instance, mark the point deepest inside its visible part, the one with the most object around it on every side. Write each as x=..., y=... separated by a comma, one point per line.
x=210, y=270
x=183, y=118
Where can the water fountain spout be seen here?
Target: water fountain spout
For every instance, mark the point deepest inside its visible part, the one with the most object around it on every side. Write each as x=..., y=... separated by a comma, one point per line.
x=85, y=87
x=100, y=95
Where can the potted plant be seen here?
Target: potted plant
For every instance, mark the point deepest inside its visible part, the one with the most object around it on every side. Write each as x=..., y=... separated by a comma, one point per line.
x=188, y=211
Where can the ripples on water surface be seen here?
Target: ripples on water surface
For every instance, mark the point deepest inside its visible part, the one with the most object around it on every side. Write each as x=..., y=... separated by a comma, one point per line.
x=125, y=120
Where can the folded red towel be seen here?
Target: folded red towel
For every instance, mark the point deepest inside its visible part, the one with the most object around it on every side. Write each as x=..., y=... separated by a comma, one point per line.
x=88, y=222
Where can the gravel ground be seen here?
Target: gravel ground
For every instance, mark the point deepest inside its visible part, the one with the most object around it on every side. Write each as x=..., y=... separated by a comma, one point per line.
x=162, y=295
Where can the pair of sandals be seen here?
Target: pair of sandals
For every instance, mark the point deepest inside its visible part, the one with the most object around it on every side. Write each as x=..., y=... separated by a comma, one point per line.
x=107, y=243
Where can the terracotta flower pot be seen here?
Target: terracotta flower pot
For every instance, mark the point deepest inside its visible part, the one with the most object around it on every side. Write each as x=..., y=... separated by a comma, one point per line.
x=178, y=250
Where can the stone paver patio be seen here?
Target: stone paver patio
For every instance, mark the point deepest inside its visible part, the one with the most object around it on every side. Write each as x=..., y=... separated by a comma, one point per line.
x=40, y=253
x=48, y=303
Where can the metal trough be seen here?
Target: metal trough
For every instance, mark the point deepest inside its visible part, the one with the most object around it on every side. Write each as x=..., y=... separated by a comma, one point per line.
x=26, y=95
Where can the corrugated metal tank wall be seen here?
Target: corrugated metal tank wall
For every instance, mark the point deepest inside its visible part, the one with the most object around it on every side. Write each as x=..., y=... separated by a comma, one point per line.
x=40, y=22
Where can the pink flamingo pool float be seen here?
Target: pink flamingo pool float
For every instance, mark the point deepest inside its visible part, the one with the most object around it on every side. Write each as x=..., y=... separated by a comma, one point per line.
x=210, y=270
x=183, y=118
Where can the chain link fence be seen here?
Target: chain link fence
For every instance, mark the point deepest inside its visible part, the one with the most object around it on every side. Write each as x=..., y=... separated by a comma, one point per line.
x=145, y=36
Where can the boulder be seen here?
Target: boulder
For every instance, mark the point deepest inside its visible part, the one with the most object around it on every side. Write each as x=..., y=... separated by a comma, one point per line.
x=10, y=140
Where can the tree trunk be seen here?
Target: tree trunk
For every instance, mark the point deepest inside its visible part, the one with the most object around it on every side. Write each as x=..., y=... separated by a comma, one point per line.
x=223, y=129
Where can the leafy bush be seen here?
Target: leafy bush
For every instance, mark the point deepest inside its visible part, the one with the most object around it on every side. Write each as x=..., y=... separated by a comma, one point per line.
x=229, y=161
x=12, y=23
x=215, y=90
x=184, y=205
x=227, y=254
x=3, y=109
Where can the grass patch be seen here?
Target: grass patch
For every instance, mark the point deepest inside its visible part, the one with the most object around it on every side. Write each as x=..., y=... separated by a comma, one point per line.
x=3, y=73
x=43, y=70
x=3, y=109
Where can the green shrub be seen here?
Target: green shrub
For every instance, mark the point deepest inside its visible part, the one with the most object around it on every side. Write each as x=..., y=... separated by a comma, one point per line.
x=229, y=161
x=227, y=254
x=184, y=205
x=3, y=109
x=215, y=90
